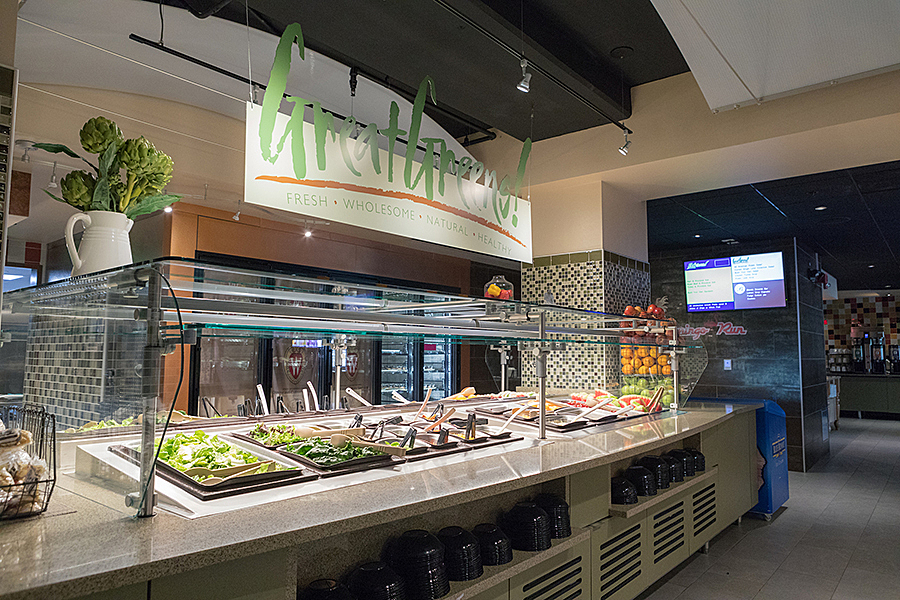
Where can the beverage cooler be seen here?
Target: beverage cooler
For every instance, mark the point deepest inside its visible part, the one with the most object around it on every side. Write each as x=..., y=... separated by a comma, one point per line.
x=225, y=372
x=410, y=366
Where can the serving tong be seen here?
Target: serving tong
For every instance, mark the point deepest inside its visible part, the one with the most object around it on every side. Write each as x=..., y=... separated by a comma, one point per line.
x=395, y=420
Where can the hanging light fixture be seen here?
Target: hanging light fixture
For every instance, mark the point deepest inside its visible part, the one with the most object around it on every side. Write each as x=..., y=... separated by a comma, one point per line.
x=623, y=149
x=525, y=84
x=53, y=183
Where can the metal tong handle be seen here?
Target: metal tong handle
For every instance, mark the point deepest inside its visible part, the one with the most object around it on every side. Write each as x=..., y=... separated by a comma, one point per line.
x=437, y=413
x=410, y=438
x=379, y=427
x=207, y=404
x=470, y=427
x=357, y=421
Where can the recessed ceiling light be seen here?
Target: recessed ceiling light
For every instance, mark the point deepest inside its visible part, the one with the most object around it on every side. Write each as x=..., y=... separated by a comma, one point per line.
x=696, y=235
x=871, y=266
x=308, y=234
x=821, y=207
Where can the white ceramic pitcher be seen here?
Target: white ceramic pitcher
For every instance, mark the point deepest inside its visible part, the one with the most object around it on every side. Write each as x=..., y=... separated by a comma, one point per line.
x=105, y=243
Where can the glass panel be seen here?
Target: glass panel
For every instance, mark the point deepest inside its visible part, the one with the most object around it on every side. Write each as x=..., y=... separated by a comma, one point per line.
x=296, y=365
x=437, y=368
x=397, y=369
x=228, y=368
x=91, y=356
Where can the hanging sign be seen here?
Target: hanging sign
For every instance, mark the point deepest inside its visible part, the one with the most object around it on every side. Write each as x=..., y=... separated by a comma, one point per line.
x=337, y=172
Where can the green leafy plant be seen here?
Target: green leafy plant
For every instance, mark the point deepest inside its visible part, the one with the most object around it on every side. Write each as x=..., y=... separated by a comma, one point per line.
x=129, y=177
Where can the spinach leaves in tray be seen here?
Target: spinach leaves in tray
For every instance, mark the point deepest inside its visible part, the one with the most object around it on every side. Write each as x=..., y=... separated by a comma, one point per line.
x=184, y=451
x=322, y=452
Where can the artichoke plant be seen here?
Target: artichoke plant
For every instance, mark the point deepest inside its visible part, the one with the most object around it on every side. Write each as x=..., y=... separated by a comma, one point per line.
x=129, y=178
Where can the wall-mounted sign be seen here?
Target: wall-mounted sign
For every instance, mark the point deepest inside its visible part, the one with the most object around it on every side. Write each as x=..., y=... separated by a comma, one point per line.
x=337, y=172
x=719, y=328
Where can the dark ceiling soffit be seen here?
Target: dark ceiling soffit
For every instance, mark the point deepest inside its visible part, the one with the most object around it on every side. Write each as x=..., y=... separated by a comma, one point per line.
x=264, y=23
x=597, y=93
x=489, y=135
x=204, y=8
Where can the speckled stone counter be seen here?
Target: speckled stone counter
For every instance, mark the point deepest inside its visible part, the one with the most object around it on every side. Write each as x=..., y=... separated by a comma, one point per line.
x=81, y=546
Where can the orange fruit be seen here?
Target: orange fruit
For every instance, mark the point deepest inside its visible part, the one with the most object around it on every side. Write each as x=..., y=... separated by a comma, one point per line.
x=628, y=370
x=626, y=361
x=649, y=361
x=637, y=363
x=662, y=359
x=644, y=371
x=643, y=351
x=626, y=352
x=654, y=370
x=654, y=352
x=666, y=370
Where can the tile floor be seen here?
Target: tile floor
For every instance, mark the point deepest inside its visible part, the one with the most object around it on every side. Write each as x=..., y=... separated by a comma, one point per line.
x=838, y=537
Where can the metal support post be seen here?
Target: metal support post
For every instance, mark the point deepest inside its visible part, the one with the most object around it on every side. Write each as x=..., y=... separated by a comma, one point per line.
x=339, y=344
x=676, y=379
x=153, y=352
x=503, y=349
x=541, y=369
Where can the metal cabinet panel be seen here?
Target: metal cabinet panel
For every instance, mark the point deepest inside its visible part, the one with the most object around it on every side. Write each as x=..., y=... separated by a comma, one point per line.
x=618, y=564
x=668, y=532
x=589, y=496
x=705, y=520
x=565, y=576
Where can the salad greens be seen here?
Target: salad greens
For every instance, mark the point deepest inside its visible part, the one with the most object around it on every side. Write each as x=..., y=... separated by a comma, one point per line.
x=323, y=453
x=184, y=451
x=274, y=435
x=101, y=425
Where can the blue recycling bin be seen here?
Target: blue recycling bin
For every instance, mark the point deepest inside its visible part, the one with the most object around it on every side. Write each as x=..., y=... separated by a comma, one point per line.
x=771, y=440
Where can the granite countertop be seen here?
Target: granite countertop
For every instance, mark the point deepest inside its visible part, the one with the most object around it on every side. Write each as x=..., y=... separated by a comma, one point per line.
x=81, y=545
x=865, y=375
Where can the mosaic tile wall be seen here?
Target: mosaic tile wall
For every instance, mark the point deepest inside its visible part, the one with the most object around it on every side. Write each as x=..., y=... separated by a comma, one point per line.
x=601, y=284
x=881, y=312
x=83, y=365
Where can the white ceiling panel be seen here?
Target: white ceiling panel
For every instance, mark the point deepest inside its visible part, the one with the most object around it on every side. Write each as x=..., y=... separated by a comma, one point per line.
x=741, y=52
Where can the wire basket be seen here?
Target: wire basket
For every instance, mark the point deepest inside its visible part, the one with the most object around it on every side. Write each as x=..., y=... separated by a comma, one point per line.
x=32, y=496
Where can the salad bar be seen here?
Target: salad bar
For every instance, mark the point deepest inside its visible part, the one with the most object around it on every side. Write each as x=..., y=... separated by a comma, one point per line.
x=215, y=459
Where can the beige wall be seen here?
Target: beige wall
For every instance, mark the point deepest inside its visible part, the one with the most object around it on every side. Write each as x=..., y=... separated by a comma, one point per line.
x=208, y=148
x=8, y=10
x=680, y=146
x=568, y=217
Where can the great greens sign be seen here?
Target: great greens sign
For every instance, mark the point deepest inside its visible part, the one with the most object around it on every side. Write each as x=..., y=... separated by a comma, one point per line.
x=325, y=171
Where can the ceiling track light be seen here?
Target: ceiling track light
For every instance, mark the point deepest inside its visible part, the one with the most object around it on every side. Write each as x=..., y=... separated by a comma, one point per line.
x=525, y=84
x=623, y=149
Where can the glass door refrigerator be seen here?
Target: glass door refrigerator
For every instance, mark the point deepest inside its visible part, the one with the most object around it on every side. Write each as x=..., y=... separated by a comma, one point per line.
x=438, y=369
x=398, y=369
x=409, y=367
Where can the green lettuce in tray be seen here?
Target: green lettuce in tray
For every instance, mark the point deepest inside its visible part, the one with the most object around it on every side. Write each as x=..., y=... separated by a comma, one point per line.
x=183, y=452
x=274, y=435
x=321, y=452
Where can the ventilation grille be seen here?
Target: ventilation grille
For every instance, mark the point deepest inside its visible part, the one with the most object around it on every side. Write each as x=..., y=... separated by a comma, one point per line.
x=561, y=583
x=704, y=509
x=668, y=531
x=620, y=561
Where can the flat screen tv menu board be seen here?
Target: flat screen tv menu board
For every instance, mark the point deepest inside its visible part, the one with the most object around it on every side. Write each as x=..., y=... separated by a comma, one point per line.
x=735, y=283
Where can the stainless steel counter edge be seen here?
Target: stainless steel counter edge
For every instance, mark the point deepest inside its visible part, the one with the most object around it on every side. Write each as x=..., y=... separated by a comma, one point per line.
x=89, y=550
